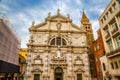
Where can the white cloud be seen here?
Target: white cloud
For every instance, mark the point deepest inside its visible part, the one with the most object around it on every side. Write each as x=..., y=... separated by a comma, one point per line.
x=95, y=26
x=4, y=8
x=22, y=20
x=25, y=39
x=78, y=1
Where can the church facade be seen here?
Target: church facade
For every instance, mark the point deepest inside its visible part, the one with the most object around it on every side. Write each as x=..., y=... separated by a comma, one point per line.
x=58, y=50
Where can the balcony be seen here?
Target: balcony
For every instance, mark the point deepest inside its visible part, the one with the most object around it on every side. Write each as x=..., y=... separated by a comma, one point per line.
x=114, y=31
x=114, y=53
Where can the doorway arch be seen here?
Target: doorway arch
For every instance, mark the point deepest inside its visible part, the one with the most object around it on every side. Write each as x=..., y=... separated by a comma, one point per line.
x=58, y=73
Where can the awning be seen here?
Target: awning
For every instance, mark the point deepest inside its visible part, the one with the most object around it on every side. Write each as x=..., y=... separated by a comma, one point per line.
x=6, y=67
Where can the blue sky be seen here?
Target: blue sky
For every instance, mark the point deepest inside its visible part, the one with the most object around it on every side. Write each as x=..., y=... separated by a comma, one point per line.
x=21, y=13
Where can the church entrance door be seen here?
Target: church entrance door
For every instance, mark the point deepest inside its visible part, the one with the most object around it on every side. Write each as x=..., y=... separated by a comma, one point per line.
x=58, y=73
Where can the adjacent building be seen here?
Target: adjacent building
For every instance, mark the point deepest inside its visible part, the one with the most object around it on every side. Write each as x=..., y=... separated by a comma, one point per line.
x=22, y=62
x=9, y=48
x=98, y=52
x=58, y=50
x=110, y=29
x=23, y=52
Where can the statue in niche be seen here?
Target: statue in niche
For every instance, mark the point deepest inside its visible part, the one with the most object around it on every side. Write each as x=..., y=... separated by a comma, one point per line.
x=58, y=53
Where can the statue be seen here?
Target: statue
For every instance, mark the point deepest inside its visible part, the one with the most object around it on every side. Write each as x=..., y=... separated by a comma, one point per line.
x=68, y=16
x=58, y=54
x=58, y=11
x=49, y=14
x=33, y=23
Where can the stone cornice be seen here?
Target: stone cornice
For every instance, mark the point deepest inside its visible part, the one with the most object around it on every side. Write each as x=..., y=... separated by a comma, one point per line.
x=65, y=31
x=52, y=46
x=78, y=64
x=51, y=20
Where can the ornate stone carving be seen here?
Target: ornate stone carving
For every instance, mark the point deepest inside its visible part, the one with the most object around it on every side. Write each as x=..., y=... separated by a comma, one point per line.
x=37, y=60
x=46, y=54
x=41, y=38
x=58, y=27
x=31, y=39
x=78, y=61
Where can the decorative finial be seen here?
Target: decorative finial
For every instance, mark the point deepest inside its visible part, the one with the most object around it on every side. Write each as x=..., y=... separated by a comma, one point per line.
x=49, y=14
x=58, y=11
x=68, y=15
x=33, y=23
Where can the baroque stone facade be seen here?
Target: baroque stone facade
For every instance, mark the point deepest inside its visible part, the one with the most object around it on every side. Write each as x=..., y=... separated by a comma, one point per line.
x=57, y=50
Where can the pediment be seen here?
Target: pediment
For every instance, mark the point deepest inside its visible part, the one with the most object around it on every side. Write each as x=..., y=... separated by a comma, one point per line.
x=36, y=70
x=53, y=20
x=43, y=25
x=64, y=27
x=38, y=57
x=58, y=18
x=79, y=70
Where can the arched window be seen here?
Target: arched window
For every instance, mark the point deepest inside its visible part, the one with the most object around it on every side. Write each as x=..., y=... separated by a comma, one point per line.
x=58, y=41
x=58, y=73
x=52, y=42
x=104, y=68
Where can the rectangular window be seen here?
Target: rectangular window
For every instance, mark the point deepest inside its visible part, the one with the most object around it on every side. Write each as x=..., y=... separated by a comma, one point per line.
x=36, y=76
x=114, y=5
x=112, y=65
x=110, y=10
x=107, y=32
x=110, y=45
x=104, y=18
x=116, y=65
x=104, y=67
x=98, y=46
x=79, y=76
x=114, y=26
x=118, y=41
x=107, y=14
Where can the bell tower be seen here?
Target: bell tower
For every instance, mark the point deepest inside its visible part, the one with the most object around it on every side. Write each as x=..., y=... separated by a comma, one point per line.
x=89, y=35
x=88, y=27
